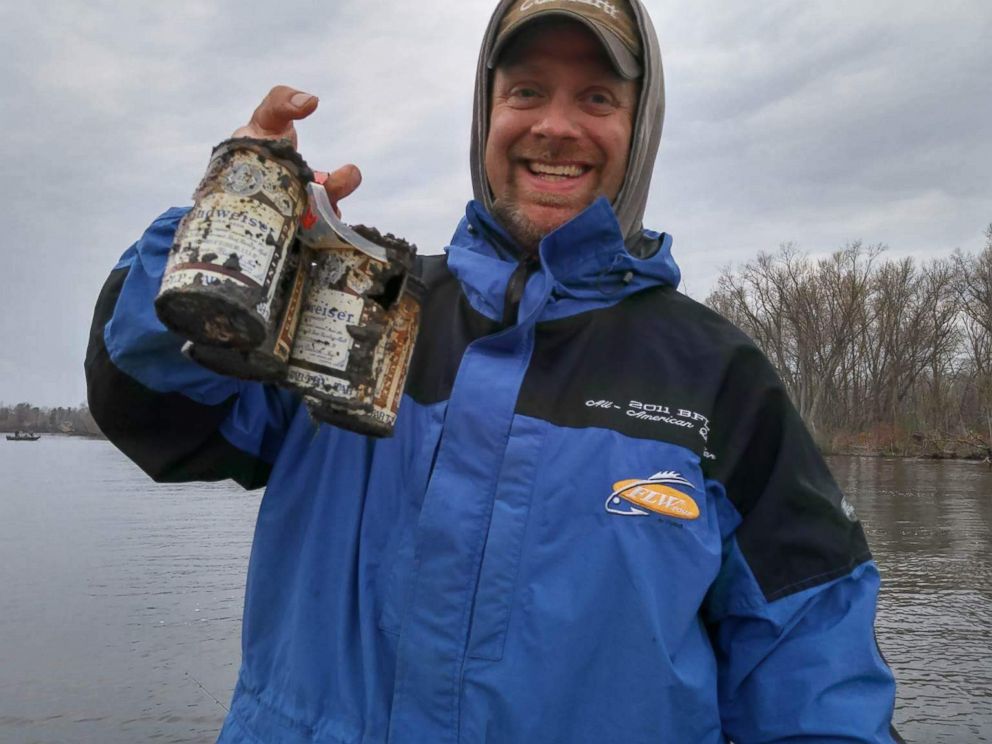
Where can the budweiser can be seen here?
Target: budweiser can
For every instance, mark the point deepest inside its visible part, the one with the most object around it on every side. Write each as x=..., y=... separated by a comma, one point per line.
x=380, y=395
x=354, y=304
x=225, y=272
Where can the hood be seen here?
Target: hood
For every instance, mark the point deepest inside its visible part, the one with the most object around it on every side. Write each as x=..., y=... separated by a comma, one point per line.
x=632, y=199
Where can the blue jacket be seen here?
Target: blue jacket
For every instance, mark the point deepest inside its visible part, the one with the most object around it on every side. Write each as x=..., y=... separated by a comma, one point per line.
x=599, y=520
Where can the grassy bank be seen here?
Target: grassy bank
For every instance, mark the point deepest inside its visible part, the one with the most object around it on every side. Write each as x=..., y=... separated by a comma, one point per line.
x=890, y=441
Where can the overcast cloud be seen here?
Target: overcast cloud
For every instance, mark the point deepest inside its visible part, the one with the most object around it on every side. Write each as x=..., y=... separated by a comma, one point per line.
x=815, y=122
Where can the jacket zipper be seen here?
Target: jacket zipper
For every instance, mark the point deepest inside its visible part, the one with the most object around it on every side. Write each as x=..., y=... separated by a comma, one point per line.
x=515, y=288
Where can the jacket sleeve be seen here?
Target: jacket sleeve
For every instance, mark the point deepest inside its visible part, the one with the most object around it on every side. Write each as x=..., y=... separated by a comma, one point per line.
x=175, y=419
x=792, y=612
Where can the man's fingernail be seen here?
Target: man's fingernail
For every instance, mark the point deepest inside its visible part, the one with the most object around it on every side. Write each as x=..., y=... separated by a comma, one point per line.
x=301, y=99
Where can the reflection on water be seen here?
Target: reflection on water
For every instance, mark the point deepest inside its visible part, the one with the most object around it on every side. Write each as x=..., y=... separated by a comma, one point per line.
x=930, y=528
x=120, y=600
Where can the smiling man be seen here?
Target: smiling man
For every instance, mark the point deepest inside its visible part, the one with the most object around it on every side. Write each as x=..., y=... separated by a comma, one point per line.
x=599, y=521
x=560, y=127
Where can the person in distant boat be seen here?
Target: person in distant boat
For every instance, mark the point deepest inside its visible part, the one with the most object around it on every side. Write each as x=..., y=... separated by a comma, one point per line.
x=600, y=519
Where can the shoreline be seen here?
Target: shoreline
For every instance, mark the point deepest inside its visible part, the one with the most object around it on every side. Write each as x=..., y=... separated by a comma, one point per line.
x=67, y=434
x=936, y=457
x=826, y=451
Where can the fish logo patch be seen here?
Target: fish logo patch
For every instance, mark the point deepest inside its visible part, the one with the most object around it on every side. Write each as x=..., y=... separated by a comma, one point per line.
x=662, y=493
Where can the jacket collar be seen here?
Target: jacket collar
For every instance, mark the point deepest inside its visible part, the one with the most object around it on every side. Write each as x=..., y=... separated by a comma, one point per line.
x=583, y=264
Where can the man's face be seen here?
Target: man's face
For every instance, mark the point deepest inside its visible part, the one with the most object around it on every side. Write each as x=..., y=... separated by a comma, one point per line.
x=559, y=130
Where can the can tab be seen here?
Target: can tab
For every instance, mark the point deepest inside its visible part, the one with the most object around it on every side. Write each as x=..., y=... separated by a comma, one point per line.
x=321, y=228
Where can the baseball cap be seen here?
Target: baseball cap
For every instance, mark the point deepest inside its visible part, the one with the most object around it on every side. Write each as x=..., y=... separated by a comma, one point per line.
x=612, y=21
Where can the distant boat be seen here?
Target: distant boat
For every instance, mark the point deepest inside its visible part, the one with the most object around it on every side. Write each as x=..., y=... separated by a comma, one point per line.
x=23, y=436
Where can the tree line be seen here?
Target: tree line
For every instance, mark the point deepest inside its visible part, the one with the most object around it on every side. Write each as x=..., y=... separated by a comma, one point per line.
x=59, y=420
x=879, y=355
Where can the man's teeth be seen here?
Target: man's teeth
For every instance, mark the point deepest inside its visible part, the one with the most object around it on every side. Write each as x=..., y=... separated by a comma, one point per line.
x=556, y=171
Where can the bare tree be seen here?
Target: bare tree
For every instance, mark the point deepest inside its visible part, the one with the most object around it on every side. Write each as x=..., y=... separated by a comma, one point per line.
x=881, y=348
x=804, y=315
x=974, y=288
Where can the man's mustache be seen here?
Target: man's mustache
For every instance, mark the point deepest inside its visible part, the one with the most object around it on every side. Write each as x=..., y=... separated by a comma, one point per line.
x=565, y=153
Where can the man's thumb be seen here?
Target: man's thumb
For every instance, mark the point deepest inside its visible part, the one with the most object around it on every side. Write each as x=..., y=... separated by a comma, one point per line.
x=341, y=183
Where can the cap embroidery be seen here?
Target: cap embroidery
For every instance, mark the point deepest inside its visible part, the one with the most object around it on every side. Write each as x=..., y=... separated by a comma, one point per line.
x=603, y=5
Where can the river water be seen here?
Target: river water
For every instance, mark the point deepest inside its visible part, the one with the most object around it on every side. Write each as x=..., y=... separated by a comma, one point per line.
x=929, y=524
x=120, y=599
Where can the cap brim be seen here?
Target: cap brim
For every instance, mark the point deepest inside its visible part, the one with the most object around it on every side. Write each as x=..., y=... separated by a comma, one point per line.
x=622, y=58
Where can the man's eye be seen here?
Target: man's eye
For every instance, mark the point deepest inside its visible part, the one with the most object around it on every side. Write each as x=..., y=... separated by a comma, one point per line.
x=600, y=100
x=524, y=93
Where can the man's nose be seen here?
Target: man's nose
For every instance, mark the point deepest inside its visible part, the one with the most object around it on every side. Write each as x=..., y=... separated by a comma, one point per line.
x=557, y=120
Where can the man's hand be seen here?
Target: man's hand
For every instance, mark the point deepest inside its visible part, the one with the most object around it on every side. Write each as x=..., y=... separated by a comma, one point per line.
x=273, y=120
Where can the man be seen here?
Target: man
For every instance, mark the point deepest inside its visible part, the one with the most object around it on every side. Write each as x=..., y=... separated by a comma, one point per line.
x=599, y=519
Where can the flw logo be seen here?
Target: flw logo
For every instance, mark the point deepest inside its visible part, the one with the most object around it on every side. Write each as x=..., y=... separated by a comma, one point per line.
x=662, y=493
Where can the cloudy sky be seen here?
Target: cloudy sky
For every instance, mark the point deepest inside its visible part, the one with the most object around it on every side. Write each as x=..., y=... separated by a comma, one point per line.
x=788, y=120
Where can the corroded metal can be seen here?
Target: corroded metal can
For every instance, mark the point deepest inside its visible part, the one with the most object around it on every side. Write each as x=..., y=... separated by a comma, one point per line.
x=338, y=329
x=381, y=394
x=268, y=361
x=354, y=304
x=224, y=275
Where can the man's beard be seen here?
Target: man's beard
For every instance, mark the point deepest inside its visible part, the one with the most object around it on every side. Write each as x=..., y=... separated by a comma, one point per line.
x=522, y=229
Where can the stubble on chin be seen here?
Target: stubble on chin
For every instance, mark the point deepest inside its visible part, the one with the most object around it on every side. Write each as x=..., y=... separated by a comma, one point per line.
x=524, y=230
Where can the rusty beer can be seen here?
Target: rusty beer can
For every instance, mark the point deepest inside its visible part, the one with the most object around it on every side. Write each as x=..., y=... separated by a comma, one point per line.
x=380, y=395
x=224, y=274
x=352, y=301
